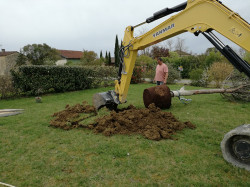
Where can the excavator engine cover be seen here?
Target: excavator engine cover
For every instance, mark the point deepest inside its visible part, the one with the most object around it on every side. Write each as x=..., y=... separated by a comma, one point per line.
x=159, y=95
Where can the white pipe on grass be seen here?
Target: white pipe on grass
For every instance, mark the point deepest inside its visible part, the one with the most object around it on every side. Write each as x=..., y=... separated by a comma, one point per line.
x=6, y=184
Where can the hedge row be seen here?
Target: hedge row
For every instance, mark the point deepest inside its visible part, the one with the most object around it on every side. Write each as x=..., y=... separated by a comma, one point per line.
x=103, y=75
x=36, y=80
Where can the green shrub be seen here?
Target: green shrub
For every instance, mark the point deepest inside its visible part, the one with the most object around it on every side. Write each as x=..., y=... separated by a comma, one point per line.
x=137, y=75
x=187, y=62
x=6, y=87
x=199, y=78
x=144, y=60
x=36, y=80
x=103, y=76
x=219, y=71
x=149, y=72
x=173, y=74
x=96, y=62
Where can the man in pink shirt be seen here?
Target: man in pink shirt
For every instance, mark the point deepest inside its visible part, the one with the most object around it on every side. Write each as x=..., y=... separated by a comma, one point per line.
x=161, y=72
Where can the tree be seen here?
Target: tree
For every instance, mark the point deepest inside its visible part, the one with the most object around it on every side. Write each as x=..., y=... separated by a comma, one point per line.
x=157, y=51
x=39, y=54
x=21, y=59
x=106, y=60
x=101, y=55
x=144, y=60
x=109, y=59
x=219, y=71
x=212, y=57
x=247, y=56
x=212, y=49
x=88, y=56
x=180, y=46
x=170, y=44
x=188, y=63
x=117, y=48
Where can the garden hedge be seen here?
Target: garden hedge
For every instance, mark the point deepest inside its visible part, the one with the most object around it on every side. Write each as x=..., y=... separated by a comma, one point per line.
x=36, y=80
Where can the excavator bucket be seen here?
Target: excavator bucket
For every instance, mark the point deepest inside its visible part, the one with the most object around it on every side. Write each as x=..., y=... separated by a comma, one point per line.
x=105, y=99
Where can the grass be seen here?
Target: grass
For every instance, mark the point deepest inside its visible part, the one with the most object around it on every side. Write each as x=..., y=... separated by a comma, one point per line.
x=34, y=154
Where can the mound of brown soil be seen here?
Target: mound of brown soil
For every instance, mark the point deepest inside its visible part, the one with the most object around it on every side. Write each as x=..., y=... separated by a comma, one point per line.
x=71, y=116
x=151, y=122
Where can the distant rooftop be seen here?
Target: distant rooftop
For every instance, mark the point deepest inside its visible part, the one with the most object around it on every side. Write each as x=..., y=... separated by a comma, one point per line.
x=182, y=53
x=6, y=53
x=69, y=54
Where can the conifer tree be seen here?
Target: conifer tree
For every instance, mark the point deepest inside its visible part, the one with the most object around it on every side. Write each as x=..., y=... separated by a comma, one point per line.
x=101, y=55
x=106, y=58
x=117, y=48
x=109, y=61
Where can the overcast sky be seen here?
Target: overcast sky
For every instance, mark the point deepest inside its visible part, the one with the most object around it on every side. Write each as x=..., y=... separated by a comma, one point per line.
x=88, y=24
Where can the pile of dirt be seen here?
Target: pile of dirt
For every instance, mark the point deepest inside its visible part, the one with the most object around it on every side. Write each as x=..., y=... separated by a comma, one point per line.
x=72, y=116
x=151, y=122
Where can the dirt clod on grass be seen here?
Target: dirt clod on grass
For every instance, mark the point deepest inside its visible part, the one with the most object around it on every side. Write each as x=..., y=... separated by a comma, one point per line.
x=151, y=122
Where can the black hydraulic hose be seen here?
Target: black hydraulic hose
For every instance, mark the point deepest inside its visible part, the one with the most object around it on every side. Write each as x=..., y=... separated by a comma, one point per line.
x=238, y=63
x=121, y=56
x=166, y=11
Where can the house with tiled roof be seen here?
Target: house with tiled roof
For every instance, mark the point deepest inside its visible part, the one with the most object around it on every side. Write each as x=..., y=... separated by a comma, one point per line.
x=7, y=53
x=7, y=61
x=68, y=55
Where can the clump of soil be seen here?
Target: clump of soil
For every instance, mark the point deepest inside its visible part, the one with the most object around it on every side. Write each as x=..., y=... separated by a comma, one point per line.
x=151, y=122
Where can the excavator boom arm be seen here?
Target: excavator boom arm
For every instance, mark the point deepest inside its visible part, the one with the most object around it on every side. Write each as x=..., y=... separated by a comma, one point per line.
x=196, y=16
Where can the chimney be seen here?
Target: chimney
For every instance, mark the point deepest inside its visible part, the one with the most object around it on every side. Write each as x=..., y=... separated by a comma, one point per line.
x=3, y=50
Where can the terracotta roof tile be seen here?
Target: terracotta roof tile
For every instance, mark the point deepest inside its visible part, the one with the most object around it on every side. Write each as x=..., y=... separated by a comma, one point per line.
x=6, y=53
x=70, y=54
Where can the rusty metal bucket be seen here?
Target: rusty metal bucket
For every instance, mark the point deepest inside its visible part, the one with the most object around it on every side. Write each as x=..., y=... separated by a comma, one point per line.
x=159, y=95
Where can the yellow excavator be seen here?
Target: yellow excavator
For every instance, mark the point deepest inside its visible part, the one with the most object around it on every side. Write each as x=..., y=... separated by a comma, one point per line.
x=197, y=17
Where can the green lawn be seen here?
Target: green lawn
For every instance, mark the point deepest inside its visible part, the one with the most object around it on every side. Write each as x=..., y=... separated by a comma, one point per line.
x=34, y=154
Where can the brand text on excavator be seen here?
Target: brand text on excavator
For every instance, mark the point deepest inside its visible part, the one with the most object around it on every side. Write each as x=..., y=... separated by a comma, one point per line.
x=163, y=30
